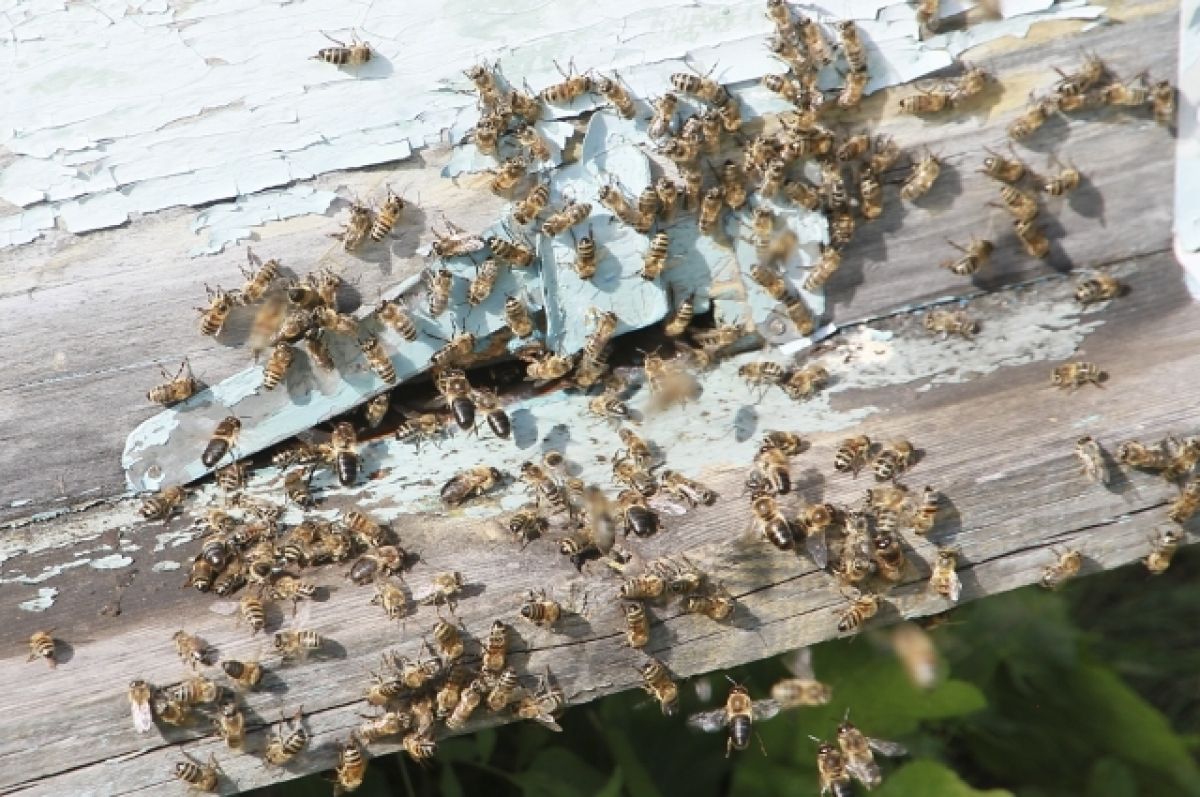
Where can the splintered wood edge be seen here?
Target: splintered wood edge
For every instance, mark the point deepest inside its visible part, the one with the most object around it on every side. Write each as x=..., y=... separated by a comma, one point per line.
x=1024, y=502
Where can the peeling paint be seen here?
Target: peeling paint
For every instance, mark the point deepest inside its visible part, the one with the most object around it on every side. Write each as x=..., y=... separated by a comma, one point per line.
x=47, y=573
x=173, y=539
x=112, y=562
x=133, y=110
x=42, y=602
x=165, y=566
x=231, y=222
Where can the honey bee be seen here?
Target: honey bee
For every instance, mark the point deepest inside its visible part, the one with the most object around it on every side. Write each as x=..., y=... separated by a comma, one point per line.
x=664, y=114
x=851, y=454
x=470, y=483
x=1162, y=102
x=969, y=84
x=454, y=388
x=799, y=314
x=481, y=287
x=277, y=366
x=528, y=208
x=1006, y=170
x=637, y=624
x=1162, y=550
x=654, y=262
x=927, y=102
x=357, y=228
x=739, y=714
x=689, y=490
x=518, y=254
x=680, y=319
x=286, y=586
x=637, y=515
x=199, y=777
x=1032, y=239
x=231, y=724
x=540, y=610
x=771, y=523
x=177, y=388
x=647, y=586
x=951, y=322
x=387, y=217
x=974, y=257
x=825, y=267
x=1184, y=458
x=1066, y=566
x=355, y=53
x=628, y=472
x=529, y=138
x=785, y=86
x=139, y=706
x=657, y=682
x=701, y=87
x=419, y=746
x=710, y=210
x=693, y=183
x=391, y=598
x=444, y=589
x=41, y=646
x=389, y=723
x=815, y=44
x=220, y=304
x=1098, y=288
x=1073, y=375
x=571, y=88
x=1092, y=458
x=1091, y=72
x=163, y=504
x=448, y=641
x=717, y=603
x=861, y=607
x=485, y=83
x=636, y=448
x=572, y=213
x=857, y=750
x=803, y=383
x=832, y=772
x=253, y=612
x=487, y=133
x=1138, y=455
x=343, y=444
x=259, y=277
x=192, y=650
x=944, y=580
x=295, y=643
x=1032, y=119
x=351, y=768
x=376, y=410
x=894, y=460
x=287, y=742
x=548, y=367
x=852, y=46
x=616, y=94
x=924, y=173
x=377, y=358
x=1060, y=184
x=870, y=193
x=1188, y=502
x=803, y=689
x=245, y=674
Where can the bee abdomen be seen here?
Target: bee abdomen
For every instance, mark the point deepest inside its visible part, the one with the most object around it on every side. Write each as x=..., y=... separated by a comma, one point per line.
x=739, y=732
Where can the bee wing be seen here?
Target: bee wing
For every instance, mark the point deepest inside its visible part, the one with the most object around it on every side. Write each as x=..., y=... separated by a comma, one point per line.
x=799, y=663
x=889, y=749
x=709, y=721
x=955, y=587
x=224, y=608
x=143, y=717
x=703, y=688
x=548, y=721
x=818, y=548
x=667, y=506
x=764, y=709
x=865, y=772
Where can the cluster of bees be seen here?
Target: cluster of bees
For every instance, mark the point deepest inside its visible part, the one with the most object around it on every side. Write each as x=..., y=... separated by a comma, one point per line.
x=246, y=546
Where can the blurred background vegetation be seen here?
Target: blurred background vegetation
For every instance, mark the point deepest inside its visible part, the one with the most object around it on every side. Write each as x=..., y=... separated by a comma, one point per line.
x=1093, y=691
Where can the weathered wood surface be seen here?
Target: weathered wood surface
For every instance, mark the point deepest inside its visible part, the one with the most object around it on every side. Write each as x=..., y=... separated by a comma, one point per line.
x=998, y=446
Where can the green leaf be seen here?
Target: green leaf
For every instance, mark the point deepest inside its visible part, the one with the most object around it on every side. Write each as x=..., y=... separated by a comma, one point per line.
x=930, y=779
x=485, y=743
x=1111, y=778
x=449, y=786
x=614, y=787
x=558, y=772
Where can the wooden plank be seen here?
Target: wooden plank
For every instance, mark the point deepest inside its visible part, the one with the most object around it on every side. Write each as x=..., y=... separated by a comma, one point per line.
x=92, y=290
x=1013, y=487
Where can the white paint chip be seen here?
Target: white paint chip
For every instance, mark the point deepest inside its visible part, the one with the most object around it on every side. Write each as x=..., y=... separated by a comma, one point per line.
x=231, y=222
x=165, y=565
x=111, y=562
x=42, y=602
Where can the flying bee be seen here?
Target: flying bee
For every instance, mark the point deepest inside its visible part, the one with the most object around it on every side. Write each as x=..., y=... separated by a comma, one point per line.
x=1098, y=288
x=857, y=749
x=701, y=87
x=377, y=358
x=852, y=46
x=139, y=695
x=176, y=389
x=951, y=322
x=1066, y=566
x=851, y=454
x=387, y=216
x=343, y=443
x=654, y=262
x=974, y=257
x=664, y=114
x=1162, y=550
x=1162, y=102
x=1188, y=502
x=1092, y=458
x=571, y=88
x=223, y=438
x=1073, y=375
x=893, y=460
x=832, y=772
x=481, y=287
x=470, y=483
x=285, y=743
x=199, y=777
x=572, y=213
x=357, y=228
x=825, y=267
x=771, y=523
x=803, y=688
x=506, y=177
x=540, y=610
x=739, y=714
x=689, y=490
x=163, y=504
x=616, y=94
x=861, y=607
x=803, y=383
x=944, y=579
x=192, y=650
x=220, y=304
x=528, y=137
x=518, y=254
x=924, y=173
x=527, y=210
x=657, y=682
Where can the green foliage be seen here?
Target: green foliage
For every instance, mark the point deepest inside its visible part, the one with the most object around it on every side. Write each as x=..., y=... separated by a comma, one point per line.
x=1090, y=692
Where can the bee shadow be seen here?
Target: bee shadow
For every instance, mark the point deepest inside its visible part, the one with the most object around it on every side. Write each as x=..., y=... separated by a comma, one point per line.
x=64, y=651
x=1087, y=201
x=524, y=428
x=745, y=423
x=272, y=683
x=945, y=190
x=810, y=487
x=407, y=238
x=947, y=524
x=1057, y=259
x=557, y=438
x=869, y=244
